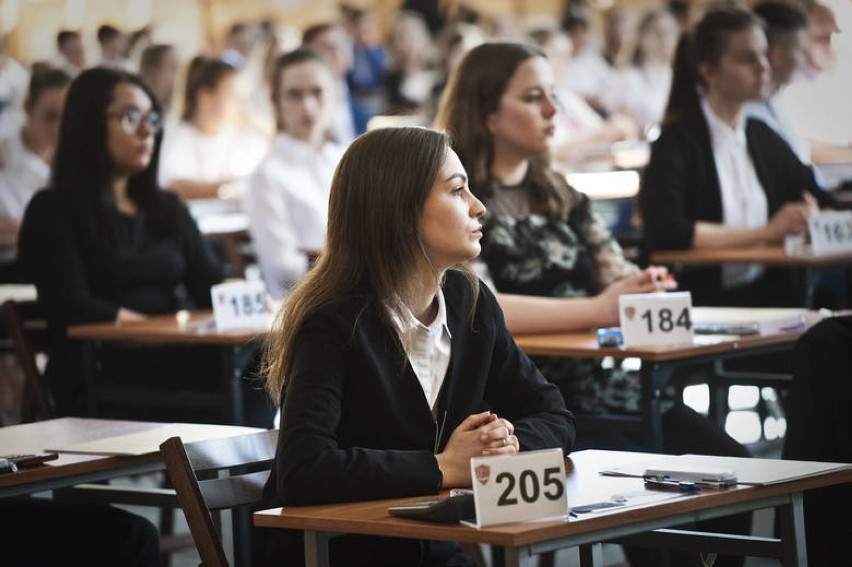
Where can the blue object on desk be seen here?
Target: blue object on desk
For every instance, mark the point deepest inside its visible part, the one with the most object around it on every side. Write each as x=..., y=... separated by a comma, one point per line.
x=610, y=337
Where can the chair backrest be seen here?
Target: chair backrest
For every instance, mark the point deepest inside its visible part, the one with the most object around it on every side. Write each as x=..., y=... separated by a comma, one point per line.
x=218, y=474
x=27, y=328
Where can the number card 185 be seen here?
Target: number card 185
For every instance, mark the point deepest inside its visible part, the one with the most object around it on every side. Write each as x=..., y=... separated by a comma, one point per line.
x=514, y=488
x=240, y=305
x=656, y=318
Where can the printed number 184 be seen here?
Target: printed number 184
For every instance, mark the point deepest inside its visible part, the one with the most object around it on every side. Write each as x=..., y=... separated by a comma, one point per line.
x=665, y=321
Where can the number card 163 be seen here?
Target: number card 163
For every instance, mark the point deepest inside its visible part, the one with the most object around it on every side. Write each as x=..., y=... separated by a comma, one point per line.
x=656, y=318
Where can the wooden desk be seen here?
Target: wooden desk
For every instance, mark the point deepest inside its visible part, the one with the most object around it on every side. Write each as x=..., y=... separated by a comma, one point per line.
x=659, y=365
x=584, y=485
x=71, y=469
x=236, y=348
x=770, y=256
x=825, y=154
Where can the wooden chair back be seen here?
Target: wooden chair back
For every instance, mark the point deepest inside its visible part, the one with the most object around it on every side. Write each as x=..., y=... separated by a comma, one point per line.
x=220, y=474
x=27, y=329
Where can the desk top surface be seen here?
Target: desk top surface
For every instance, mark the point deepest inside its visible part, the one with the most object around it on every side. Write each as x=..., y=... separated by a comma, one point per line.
x=72, y=468
x=585, y=344
x=767, y=256
x=166, y=329
x=198, y=329
x=584, y=485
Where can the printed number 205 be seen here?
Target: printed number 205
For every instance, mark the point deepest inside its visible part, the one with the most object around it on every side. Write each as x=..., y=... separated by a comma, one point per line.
x=529, y=488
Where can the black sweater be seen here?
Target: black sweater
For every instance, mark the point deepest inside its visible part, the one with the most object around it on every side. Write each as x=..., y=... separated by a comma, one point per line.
x=680, y=186
x=82, y=277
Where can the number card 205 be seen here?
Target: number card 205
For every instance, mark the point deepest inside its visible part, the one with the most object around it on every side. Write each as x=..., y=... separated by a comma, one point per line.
x=514, y=488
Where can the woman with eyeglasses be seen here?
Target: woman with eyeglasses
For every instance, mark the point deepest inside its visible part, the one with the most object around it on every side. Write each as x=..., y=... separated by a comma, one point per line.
x=104, y=243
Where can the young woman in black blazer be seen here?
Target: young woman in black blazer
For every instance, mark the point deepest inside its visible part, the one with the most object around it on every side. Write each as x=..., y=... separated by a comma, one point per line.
x=719, y=67
x=364, y=416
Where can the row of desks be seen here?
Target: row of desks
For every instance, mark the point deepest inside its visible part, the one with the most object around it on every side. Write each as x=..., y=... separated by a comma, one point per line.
x=659, y=363
x=521, y=540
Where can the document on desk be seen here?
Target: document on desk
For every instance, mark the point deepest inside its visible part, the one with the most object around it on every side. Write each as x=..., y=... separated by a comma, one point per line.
x=752, y=320
x=749, y=470
x=144, y=442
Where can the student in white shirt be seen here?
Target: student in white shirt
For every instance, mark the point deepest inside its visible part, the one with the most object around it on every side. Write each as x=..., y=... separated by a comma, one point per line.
x=13, y=88
x=787, y=36
x=287, y=198
x=210, y=152
x=25, y=159
x=641, y=89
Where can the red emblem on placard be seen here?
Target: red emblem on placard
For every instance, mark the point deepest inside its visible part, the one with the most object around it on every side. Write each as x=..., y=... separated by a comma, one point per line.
x=483, y=474
x=630, y=311
x=222, y=299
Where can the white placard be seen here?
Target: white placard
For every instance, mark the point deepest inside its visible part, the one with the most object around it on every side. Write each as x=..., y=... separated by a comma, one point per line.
x=831, y=232
x=241, y=305
x=513, y=488
x=656, y=318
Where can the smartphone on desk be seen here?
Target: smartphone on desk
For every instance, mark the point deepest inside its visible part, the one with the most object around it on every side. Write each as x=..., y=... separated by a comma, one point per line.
x=11, y=463
x=450, y=510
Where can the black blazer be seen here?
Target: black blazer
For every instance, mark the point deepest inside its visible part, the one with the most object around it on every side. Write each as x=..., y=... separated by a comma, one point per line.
x=355, y=423
x=680, y=186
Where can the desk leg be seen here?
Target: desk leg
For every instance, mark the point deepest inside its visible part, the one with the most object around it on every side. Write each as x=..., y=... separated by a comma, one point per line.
x=316, y=549
x=812, y=276
x=88, y=354
x=591, y=555
x=654, y=378
x=517, y=557
x=792, y=526
x=232, y=370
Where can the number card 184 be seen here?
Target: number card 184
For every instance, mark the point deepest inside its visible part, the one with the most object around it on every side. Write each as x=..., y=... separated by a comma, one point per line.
x=656, y=318
x=514, y=488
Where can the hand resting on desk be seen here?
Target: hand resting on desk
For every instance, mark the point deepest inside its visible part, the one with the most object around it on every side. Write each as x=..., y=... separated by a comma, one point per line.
x=480, y=434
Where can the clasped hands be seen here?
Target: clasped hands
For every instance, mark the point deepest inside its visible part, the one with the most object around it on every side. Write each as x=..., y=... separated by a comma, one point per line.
x=480, y=434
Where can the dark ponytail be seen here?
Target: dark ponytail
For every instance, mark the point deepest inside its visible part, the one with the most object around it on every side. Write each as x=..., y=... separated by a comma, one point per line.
x=706, y=43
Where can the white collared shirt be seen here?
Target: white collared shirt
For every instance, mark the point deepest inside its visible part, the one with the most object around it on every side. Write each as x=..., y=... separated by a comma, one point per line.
x=287, y=207
x=190, y=154
x=23, y=172
x=768, y=110
x=428, y=348
x=743, y=198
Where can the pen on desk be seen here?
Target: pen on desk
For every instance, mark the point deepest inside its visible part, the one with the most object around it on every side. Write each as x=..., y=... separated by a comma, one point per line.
x=680, y=485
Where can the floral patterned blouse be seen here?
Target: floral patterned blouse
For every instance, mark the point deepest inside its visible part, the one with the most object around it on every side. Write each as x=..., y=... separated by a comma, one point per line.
x=550, y=255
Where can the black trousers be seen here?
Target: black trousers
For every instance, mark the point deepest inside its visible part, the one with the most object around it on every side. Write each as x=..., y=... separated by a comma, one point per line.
x=43, y=532
x=819, y=428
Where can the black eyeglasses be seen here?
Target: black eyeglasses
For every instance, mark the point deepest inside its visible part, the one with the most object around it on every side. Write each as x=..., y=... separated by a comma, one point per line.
x=131, y=119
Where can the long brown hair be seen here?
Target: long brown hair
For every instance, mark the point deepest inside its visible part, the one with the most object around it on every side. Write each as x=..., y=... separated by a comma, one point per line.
x=373, y=238
x=473, y=93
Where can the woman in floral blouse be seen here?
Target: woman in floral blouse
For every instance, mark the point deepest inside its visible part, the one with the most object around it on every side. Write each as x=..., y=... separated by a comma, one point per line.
x=552, y=259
